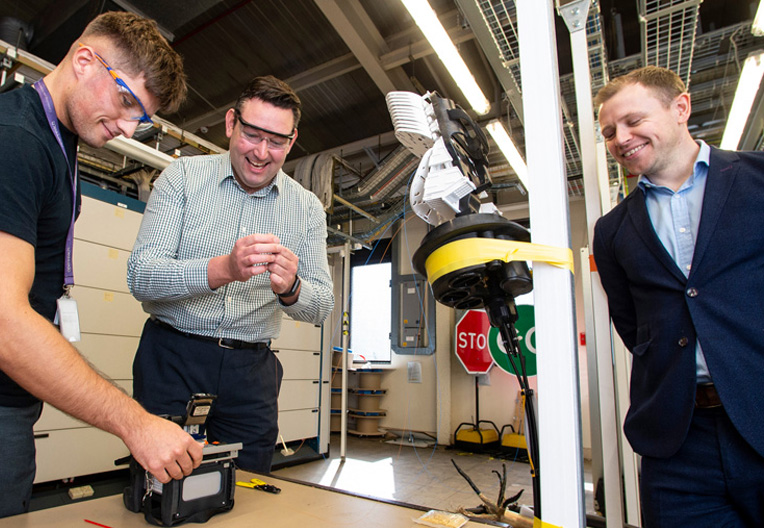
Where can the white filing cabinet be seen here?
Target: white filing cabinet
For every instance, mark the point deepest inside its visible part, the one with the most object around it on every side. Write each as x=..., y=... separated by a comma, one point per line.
x=299, y=351
x=111, y=322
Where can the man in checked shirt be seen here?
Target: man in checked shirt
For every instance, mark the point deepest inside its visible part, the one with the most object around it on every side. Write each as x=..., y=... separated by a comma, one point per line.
x=229, y=242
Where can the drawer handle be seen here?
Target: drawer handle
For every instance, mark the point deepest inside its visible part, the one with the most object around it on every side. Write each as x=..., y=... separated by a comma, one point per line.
x=315, y=382
x=314, y=410
x=41, y=435
x=316, y=353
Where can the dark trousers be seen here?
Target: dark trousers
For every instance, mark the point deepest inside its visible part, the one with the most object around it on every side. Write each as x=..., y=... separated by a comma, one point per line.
x=170, y=367
x=17, y=468
x=715, y=480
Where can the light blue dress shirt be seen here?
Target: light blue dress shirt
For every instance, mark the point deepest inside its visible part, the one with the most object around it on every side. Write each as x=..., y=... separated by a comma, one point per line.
x=675, y=216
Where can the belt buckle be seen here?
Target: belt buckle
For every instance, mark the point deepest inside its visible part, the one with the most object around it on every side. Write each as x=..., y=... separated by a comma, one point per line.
x=222, y=345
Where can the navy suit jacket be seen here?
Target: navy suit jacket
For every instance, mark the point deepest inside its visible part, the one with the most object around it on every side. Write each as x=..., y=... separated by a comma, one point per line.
x=659, y=313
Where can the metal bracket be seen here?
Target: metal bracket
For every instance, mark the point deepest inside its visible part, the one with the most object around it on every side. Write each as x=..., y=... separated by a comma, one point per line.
x=574, y=14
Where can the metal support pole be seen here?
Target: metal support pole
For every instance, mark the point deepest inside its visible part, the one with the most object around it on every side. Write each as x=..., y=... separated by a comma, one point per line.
x=345, y=337
x=575, y=15
x=560, y=454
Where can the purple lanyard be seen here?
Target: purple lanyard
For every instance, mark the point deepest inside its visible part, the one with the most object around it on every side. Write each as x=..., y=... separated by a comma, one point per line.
x=50, y=114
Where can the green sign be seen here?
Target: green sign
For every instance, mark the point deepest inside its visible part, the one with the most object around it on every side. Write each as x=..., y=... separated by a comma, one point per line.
x=526, y=333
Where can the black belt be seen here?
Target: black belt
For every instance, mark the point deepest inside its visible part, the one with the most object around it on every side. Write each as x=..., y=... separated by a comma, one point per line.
x=222, y=342
x=706, y=396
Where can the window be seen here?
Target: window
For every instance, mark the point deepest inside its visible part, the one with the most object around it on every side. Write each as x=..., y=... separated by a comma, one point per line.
x=370, y=304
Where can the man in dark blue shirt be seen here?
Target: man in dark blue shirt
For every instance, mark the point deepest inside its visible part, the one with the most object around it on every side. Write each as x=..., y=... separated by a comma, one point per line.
x=118, y=73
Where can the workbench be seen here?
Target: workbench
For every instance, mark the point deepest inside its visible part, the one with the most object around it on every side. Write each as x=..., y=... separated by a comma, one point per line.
x=299, y=505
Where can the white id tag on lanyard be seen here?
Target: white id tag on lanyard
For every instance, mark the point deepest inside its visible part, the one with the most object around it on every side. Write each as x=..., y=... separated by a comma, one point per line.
x=67, y=318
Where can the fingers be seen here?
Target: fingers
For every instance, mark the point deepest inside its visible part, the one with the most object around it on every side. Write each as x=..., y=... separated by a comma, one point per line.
x=256, y=254
x=182, y=465
x=283, y=270
x=250, y=256
x=166, y=451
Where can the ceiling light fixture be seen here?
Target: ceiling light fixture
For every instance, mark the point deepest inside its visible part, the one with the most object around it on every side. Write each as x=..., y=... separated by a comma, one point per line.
x=757, y=29
x=508, y=148
x=433, y=31
x=747, y=88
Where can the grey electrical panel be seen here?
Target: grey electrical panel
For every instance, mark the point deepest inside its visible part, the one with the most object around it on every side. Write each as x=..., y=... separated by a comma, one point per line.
x=413, y=312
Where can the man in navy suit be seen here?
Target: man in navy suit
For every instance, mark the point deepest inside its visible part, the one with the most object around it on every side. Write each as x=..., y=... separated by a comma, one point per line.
x=682, y=262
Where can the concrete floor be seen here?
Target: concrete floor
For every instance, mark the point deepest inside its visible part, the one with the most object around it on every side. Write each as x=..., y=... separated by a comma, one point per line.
x=423, y=476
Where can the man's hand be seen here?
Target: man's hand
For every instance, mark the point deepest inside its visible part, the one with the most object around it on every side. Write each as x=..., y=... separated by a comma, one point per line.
x=163, y=448
x=283, y=270
x=252, y=255
x=249, y=257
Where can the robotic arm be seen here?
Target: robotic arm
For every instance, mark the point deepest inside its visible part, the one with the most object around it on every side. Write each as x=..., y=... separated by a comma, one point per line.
x=453, y=151
x=467, y=257
x=445, y=192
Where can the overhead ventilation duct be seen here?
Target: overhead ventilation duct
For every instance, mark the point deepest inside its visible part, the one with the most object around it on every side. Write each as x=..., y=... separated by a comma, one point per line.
x=317, y=172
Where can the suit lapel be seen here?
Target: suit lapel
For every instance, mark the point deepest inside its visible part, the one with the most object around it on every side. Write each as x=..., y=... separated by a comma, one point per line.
x=646, y=231
x=722, y=171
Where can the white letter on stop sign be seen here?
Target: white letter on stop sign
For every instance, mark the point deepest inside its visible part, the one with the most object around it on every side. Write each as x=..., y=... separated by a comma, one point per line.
x=472, y=340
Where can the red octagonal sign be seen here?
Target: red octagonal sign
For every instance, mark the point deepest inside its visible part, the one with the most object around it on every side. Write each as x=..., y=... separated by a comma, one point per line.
x=472, y=342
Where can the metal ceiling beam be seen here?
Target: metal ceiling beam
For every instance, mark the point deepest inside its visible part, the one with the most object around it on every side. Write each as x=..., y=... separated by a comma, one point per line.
x=389, y=61
x=421, y=48
x=356, y=29
x=320, y=74
x=490, y=47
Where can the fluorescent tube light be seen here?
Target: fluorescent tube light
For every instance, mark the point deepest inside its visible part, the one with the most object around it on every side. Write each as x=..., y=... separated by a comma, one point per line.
x=757, y=29
x=508, y=148
x=747, y=88
x=138, y=151
x=433, y=31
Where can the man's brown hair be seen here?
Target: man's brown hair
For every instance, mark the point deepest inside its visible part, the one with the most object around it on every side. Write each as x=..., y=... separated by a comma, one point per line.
x=140, y=48
x=271, y=90
x=664, y=83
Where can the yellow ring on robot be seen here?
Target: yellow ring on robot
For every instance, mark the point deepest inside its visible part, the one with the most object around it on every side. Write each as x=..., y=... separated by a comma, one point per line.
x=468, y=252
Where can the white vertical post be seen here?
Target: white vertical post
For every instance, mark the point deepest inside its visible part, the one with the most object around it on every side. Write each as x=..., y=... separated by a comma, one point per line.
x=345, y=335
x=595, y=420
x=560, y=454
x=575, y=15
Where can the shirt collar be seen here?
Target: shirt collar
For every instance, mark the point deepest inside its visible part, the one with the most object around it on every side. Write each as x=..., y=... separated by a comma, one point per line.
x=699, y=167
x=226, y=171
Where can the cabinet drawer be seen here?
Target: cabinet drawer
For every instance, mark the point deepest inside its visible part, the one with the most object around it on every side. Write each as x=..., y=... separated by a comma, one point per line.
x=53, y=419
x=74, y=452
x=100, y=266
x=107, y=224
x=299, y=364
x=111, y=354
x=109, y=312
x=296, y=335
x=299, y=394
x=298, y=424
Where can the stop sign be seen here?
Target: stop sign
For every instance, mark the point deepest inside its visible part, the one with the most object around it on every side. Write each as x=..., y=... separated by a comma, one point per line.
x=472, y=342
